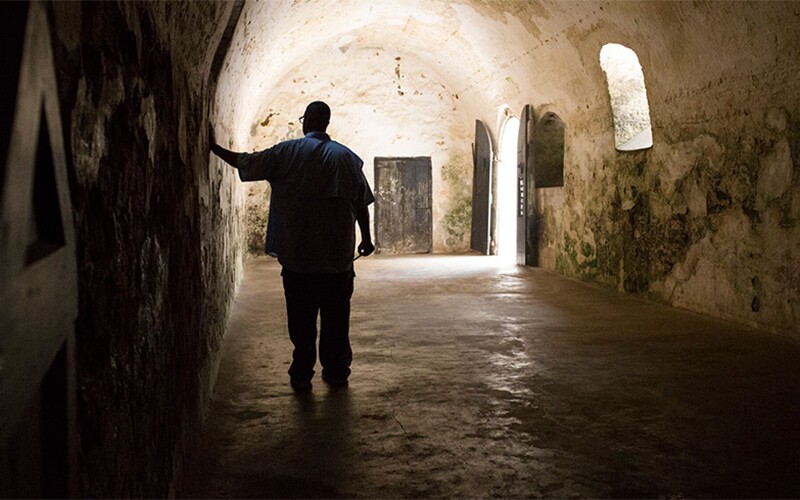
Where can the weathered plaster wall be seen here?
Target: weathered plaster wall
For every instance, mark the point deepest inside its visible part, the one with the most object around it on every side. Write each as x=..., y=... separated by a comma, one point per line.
x=383, y=104
x=707, y=219
x=157, y=234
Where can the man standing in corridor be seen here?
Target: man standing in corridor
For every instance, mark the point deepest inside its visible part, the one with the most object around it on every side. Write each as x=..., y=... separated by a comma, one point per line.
x=319, y=192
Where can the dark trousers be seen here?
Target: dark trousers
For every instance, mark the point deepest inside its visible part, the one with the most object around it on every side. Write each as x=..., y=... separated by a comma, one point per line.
x=328, y=295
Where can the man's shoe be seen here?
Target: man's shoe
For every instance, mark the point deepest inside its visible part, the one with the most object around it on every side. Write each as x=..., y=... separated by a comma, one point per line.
x=300, y=386
x=333, y=381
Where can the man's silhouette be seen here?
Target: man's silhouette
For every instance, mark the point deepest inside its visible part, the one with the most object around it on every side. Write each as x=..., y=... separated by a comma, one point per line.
x=319, y=192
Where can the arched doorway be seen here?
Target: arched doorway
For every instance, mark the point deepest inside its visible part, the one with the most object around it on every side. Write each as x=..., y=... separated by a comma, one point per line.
x=507, y=187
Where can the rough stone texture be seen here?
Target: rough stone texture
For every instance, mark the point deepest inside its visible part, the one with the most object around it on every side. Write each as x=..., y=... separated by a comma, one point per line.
x=706, y=219
x=157, y=236
x=702, y=220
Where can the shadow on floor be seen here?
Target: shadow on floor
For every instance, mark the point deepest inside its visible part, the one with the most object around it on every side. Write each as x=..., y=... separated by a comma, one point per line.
x=473, y=380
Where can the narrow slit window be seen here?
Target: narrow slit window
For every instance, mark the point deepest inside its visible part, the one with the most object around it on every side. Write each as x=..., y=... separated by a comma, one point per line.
x=632, y=129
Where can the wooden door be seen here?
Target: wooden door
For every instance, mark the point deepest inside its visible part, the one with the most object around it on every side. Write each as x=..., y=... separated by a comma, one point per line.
x=481, y=189
x=526, y=155
x=38, y=275
x=403, y=195
x=525, y=118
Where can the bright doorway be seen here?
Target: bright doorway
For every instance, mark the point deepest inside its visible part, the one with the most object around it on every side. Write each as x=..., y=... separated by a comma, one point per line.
x=507, y=192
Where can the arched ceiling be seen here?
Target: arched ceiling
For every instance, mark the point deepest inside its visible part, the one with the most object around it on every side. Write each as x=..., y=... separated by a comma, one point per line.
x=496, y=52
x=482, y=51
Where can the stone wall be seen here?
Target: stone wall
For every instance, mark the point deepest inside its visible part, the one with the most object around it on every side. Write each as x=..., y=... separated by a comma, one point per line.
x=157, y=234
x=708, y=218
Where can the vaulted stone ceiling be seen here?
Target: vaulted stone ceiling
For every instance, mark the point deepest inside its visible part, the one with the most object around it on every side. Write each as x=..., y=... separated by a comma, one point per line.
x=486, y=53
x=494, y=52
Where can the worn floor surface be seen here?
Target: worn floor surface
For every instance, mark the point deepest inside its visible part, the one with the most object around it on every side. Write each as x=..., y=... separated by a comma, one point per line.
x=474, y=380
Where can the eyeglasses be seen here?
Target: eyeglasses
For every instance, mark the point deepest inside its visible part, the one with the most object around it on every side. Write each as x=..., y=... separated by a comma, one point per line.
x=301, y=118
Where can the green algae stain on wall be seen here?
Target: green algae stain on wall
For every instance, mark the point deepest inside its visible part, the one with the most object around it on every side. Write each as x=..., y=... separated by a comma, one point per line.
x=707, y=220
x=256, y=215
x=457, y=219
x=457, y=222
x=698, y=222
x=577, y=258
x=566, y=260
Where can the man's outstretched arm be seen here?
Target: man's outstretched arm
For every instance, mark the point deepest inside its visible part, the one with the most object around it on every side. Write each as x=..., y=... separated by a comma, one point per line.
x=229, y=157
x=365, y=247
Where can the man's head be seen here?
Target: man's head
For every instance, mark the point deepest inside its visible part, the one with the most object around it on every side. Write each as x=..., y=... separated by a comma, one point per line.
x=316, y=117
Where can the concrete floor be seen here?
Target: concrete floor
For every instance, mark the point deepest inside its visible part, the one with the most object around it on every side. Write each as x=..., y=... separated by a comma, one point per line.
x=474, y=380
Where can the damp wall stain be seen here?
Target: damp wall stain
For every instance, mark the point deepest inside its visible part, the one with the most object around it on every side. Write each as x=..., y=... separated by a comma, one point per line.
x=703, y=221
x=457, y=220
x=256, y=215
x=157, y=255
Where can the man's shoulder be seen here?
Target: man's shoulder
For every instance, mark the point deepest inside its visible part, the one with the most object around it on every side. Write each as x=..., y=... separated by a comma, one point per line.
x=343, y=151
x=340, y=145
x=290, y=143
x=288, y=148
